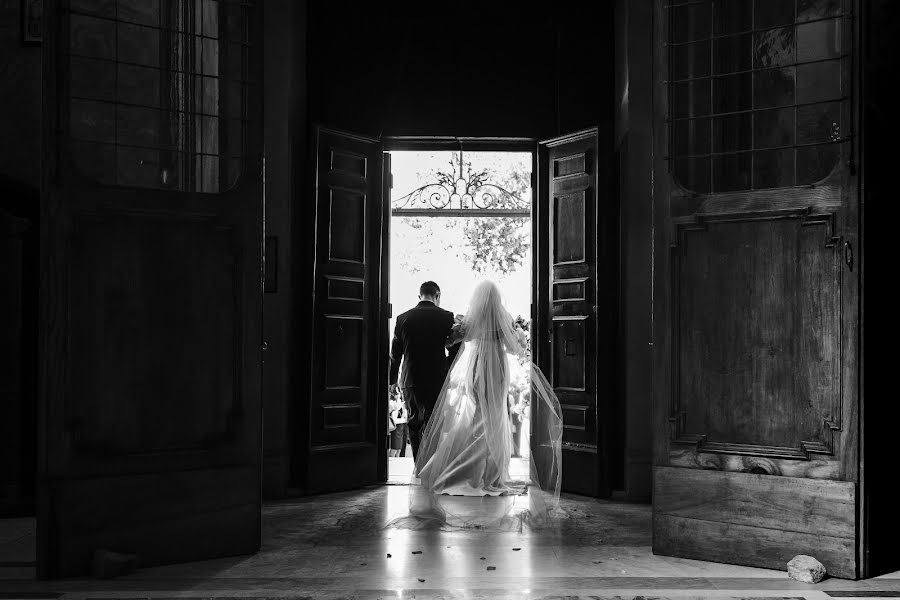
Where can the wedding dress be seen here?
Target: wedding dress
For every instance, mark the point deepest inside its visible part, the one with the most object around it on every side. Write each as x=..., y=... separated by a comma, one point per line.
x=462, y=472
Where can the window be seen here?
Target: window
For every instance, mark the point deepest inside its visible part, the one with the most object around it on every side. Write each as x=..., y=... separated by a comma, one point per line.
x=758, y=92
x=157, y=91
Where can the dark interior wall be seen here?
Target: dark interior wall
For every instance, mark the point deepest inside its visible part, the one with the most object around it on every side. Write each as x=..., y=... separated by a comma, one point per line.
x=20, y=159
x=20, y=99
x=880, y=26
x=466, y=69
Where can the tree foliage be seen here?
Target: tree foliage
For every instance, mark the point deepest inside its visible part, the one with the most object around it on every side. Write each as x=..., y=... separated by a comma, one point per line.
x=494, y=244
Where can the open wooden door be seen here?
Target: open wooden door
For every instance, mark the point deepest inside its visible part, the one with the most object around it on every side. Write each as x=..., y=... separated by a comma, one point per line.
x=348, y=398
x=575, y=293
x=756, y=286
x=150, y=305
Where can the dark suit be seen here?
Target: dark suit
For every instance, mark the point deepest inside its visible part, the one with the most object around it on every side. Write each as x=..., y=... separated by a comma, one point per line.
x=419, y=338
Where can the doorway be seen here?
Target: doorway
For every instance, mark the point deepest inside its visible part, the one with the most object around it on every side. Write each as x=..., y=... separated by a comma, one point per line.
x=459, y=216
x=571, y=308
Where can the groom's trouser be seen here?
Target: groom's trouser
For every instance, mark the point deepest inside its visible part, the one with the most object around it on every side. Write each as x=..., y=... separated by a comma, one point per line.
x=421, y=400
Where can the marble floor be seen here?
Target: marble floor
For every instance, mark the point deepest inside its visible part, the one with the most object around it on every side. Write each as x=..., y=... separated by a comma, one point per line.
x=337, y=546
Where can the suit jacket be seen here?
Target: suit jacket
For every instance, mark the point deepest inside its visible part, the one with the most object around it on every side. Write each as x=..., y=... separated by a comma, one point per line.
x=419, y=337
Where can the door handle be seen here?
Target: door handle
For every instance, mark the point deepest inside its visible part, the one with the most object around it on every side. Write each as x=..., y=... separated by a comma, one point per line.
x=848, y=254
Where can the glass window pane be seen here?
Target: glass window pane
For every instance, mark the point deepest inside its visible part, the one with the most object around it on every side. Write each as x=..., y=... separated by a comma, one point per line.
x=138, y=44
x=732, y=54
x=732, y=132
x=818, y=40
x=731, y=172
x=210, y=132
x=90, y=78
x=774, y=47
x=690, y=22
x=139, y=85
x=138, y=126
x=819, y=123
x=817, y=9
x=773, y=87
x=770, y=76
x=773, y=168
x=208, y=173
x=94, y=121
x=815, y=163
x=144, y=12
x=818, y=81
x=210, y=12
x=101, y=8
x=693, y=174
x=688, y=60
x=209, y=57
x=152, y=113
x=92, y=37
x=732, y=93
x=732, y=16
x=690, y=98
x=206, y=95
x=772, y=13
x=773, y=128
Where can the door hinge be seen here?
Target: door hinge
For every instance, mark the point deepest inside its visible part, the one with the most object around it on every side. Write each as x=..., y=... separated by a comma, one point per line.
x=390, y=177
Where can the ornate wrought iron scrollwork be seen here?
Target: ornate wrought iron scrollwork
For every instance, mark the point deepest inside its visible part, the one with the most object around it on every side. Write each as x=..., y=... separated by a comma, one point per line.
x=461, y=192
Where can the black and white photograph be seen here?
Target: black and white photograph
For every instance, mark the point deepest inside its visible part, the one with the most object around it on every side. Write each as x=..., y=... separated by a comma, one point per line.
x=333, y=299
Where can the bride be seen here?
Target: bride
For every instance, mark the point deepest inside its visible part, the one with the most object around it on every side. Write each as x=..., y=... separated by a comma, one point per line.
x=462, y=471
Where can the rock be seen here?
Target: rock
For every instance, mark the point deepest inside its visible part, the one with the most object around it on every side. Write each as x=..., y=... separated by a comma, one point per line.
x=806, y=569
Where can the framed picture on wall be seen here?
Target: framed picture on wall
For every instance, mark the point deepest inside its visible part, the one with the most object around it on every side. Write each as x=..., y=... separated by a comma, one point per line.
x=32, y=21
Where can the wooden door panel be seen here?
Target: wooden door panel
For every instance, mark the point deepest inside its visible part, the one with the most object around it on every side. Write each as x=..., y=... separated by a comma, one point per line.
x=151, y=295
x=131, y=299
x=165, y=518
x=344, y=440
x=757, y=334
x=572, y=213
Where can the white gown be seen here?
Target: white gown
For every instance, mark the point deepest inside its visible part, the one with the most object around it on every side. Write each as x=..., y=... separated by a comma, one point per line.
x=462, y=476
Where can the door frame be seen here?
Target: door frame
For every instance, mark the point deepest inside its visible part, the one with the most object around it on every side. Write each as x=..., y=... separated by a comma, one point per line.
x=449, y=144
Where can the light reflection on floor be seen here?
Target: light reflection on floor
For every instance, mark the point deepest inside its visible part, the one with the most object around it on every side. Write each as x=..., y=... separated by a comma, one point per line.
x=337, y=546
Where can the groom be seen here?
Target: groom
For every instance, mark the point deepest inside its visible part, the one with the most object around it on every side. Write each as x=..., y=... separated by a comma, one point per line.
x=419, y=338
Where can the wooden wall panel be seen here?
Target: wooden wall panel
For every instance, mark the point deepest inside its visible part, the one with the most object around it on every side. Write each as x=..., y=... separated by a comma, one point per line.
x=756, y=520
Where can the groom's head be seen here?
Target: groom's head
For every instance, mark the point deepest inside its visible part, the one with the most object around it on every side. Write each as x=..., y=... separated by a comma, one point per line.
x=430, y=291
